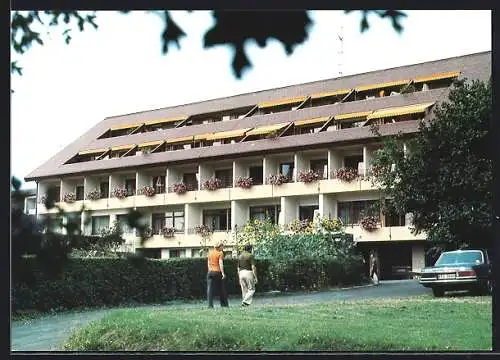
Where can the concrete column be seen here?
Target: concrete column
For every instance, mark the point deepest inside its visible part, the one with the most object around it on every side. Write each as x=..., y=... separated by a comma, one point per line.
x=270, y=167
x=115, y=181
x=206, y=172
x=367, y=160
x=89, y=184
x=142, y=179
x=327, y=206
x=289, y=210
x=300, y=163
x=165, y=254
x=67, y=186
x=172, y=177
x=239, y=214
x=334, y=162
x=42, y=191
x=192, y=216
x=239, y=170
x=83, y=227
x=417, y=257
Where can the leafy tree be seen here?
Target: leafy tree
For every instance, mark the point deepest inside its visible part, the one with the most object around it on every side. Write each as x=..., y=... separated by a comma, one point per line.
x=232, y=28
x=445, y=178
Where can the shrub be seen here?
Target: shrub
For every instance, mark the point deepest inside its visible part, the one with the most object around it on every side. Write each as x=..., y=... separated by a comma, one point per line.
x=95, y=282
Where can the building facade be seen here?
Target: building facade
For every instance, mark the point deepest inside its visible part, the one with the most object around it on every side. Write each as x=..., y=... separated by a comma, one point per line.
x=188, y=165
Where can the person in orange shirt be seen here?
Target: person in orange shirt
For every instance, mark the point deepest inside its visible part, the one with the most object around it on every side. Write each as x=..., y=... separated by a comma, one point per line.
x=216, y=278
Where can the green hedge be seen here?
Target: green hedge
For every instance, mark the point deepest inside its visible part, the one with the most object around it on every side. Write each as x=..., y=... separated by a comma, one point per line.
x=110, y=282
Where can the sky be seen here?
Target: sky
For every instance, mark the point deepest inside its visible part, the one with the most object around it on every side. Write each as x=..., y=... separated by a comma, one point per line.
x=119, y=68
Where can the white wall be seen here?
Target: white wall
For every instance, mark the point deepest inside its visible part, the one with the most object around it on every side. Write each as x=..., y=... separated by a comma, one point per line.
x=270, y=167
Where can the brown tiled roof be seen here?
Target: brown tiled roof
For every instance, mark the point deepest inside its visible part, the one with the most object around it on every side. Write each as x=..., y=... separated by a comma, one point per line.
x=474, y=66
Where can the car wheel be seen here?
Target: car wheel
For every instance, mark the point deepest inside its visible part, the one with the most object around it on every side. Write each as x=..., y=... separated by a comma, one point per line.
x=438, y=292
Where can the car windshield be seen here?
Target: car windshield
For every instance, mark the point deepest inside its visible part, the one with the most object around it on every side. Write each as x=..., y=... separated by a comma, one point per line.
x=465, y=257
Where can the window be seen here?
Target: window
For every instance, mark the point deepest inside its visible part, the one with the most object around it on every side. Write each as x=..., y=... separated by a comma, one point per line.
x=351, y=212
x=307, y=212
x=99, y=223
x=287, y=170
x=352, y=161
x=123, y=224
x=217, y=220
x=320, y=166
x=226, y=177
x=104, y=189
x=257, y=174
x=196, y=252
x=159, y=184
x=391, y=218
x=175, y=253
x=189, y=179
x=270, y=212
x=79, y=193
x=130, y=186
x=175, y=219
x=158, y=221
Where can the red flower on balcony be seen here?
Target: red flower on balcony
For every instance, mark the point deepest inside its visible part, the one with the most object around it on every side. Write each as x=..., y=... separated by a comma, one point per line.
x=244, y=182
x=93, y=195
x=180, y=188
x=120, y=193
x=147, y=190
x=212, y=184
x=168, y=232
x=369, y=223
x=346, y=174
x=308, y=176
x=278, y=179
x=69, y=197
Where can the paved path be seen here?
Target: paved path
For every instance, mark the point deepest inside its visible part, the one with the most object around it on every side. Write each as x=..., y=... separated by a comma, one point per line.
x=48, y=332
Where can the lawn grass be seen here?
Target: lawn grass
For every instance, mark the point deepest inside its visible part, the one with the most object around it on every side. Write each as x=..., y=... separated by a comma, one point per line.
x=420, y=324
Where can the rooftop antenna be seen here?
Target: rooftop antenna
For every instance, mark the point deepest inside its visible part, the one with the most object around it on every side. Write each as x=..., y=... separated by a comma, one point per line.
x=340, y=52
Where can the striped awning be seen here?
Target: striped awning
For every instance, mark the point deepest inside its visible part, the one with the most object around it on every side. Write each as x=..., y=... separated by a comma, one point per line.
x=446, y=75
x=397, y=111
x=166, y=120
x=330, y=93
x=125, y=126
x=92, y=151
x=202, y=136
x=122, y=147
x=227, y=134
x=151, y=143
x=317, y=120
x=354, y=115
x=267, y=129
x=294, y=100
x=180, y=139
x=382, y=85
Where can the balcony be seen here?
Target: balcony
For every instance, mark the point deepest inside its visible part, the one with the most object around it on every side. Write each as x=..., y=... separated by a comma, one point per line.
x=254, y=192
x=72, y=207
x=393, y=233
x=189, y=240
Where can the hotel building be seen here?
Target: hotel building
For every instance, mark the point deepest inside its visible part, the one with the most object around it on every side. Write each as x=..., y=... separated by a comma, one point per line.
x=321, y=126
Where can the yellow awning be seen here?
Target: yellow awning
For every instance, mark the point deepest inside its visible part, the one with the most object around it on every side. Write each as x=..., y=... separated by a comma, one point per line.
x=92, y=151
x=397, y=111
x=446, y=75
x=227, y=134
x=122, y=147
x=331, y=93
x=180, y=139
x=151, y=143
x=353, y=115
x=202, y=136
x=166, y=120
x=267, y=129
x=266, y=104
x=125, y=126
x=382, y=85
x=311, y=121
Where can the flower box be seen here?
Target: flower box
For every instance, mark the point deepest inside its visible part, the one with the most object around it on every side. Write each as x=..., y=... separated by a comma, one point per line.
x=212, y=184
x=168, y=232
x=202, y=230
x=180, y=188
x=369, y=223
x=244, y=182
x=308, y=176
x=69, y=198
x=120, y=193
x=147, y=190
x=93, y=195
x=346, y=174
x=277, y=179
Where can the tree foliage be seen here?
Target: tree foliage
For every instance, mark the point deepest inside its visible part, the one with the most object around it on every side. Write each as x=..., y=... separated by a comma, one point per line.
x=445, y=178
x=231, y=28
